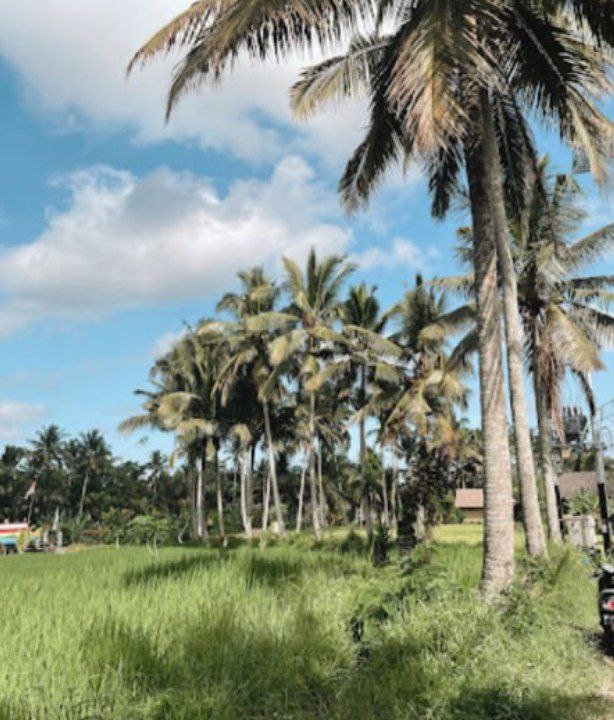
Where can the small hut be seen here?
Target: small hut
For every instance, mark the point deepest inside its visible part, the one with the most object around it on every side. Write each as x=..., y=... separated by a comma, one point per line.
x=470, y=501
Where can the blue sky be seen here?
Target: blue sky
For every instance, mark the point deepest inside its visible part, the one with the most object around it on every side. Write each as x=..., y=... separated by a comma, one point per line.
x=115, y=228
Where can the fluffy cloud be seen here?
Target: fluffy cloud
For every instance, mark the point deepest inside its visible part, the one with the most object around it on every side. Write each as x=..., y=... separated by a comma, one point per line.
x=14, y=415
x=403, y=254
x=127, y=242
x=72, y=56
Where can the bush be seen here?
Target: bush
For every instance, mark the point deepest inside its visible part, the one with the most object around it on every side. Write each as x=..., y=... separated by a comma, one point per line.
x=146, y=529
x=584, y=502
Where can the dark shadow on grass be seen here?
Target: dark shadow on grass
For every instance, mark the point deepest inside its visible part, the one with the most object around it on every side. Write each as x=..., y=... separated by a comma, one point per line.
x=272, y=571
x=497, y=704
x=171, y=569
x=273, y=567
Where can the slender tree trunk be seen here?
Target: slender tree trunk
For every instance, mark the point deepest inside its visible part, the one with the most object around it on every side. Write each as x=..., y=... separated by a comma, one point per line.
x=235, y=474
x=323, y=508
x=86, y=480
x=281, y=526
x=246, y=514
x=545, y=452
x=219, y=495
x=301, y=495
x=317, y=529
x=498, y=560
x=366, y=500
x=385, y=488
x=266, y=500
x=393, y=491
x=534, y=532
x=201, y=528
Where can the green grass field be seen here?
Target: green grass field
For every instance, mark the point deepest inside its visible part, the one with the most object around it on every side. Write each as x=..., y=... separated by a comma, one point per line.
x=294, y=631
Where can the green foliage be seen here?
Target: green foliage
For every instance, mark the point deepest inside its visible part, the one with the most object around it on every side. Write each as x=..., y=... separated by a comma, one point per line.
x=379, y=545
x=584, y=502
x=295, y=633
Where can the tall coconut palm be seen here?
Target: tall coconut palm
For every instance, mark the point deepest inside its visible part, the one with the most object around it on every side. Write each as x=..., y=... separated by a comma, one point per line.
x=303, y=331
x=565, y=316
x=360, y=314
x=248, y=353
x=247, y=342
x=493, y=110
x=435, y=82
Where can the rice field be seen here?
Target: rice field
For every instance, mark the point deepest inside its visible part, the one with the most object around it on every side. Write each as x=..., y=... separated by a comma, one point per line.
x=294, y=631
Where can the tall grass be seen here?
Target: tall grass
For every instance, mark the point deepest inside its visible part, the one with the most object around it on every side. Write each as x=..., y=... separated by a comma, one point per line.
x=292, y=632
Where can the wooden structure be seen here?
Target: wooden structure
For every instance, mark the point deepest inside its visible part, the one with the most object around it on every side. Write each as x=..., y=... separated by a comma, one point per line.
x=470, y=501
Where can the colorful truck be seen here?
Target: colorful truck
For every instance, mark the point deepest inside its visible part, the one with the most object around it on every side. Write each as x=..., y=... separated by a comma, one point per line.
x=17, y=537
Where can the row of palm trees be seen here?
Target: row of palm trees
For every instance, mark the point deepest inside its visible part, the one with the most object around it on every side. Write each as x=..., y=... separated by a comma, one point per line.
x=451, y=84
x=296, y=378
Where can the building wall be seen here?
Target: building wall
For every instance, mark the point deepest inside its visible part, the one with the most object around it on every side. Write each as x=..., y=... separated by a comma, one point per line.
x=473, y=515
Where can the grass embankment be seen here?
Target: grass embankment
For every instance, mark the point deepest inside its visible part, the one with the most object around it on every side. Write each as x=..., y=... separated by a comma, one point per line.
x=293, y=632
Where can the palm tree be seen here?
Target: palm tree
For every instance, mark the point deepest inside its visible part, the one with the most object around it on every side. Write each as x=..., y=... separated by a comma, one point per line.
x=305, y=327
x=247, y=343
x=563, y=329
x=156, y=468
x=361, y=310
x=184, y=402
x=94, y=455
x=10, y=462
x=565, y=316
x=435, y=82
x=47, y=460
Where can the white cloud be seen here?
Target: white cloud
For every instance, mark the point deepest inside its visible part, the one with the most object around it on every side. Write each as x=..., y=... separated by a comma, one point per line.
x=14, y=415
x=402, y=254
x=72, y=56
x=127, y=242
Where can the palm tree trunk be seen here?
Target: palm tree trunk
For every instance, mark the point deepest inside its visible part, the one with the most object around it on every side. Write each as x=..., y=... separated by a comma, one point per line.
x=301, y=495
x=366, y=501
x=235, y=475
x=534, y=531
x=266, y=500
x=545, y=451
x=393, y=491
x=385, y=488
x=86, y=480
x=312, y=468
x=219, y=495
x=201, y=528
x=246, y=516
x=323, y=509
x=498, y=560
x=281, y=527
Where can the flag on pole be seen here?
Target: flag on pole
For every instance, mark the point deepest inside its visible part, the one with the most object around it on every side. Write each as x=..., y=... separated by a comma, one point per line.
x=31, y=490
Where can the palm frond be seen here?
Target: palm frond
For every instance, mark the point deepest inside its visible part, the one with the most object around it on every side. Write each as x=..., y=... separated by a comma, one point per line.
x=591, y=247
x=337, y=78
x=573, y=347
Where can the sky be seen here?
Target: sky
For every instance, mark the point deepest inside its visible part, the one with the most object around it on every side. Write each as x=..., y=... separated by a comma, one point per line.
x=117, y=229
